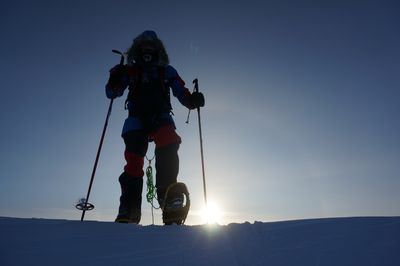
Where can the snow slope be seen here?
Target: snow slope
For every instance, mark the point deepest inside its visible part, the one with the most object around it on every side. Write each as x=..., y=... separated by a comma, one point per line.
x=333, y=241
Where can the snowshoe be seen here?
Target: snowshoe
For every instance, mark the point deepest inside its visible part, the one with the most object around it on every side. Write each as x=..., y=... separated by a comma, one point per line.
x=176, y=204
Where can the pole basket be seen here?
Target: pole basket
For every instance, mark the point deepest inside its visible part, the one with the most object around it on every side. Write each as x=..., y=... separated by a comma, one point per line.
x=82, y=205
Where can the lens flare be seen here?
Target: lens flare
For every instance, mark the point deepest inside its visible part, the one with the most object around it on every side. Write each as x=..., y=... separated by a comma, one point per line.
x=211, y=214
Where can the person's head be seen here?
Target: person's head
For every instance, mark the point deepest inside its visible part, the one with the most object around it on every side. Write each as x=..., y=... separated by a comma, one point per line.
x=148, y=49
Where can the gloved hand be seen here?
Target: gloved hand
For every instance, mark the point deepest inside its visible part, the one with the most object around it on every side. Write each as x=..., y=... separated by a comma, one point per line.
x=197, y=99
x=115, y=87
x=118, y=71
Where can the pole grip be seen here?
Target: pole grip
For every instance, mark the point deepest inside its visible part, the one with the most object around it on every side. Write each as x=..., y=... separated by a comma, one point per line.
x=196, y=85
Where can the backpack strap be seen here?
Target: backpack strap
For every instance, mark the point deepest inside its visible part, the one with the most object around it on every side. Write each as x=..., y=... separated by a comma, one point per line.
x=135, y=73
x=165, y=91
x=134, y=88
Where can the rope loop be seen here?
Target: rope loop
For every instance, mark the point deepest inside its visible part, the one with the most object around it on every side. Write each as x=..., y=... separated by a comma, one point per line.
x=151, y=189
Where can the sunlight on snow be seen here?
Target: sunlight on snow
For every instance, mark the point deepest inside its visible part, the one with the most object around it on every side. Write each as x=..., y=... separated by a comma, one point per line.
x=211, y=214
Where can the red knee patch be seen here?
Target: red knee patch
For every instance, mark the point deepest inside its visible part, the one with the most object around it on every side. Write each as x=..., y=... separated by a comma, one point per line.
x=134, y=164
x=165, y=136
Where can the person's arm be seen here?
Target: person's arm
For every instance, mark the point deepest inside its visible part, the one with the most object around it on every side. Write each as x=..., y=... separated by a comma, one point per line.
x=190, y=100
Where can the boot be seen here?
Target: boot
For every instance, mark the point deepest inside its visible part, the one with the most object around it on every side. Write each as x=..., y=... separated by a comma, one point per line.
x=167, y=168
x=130, y=200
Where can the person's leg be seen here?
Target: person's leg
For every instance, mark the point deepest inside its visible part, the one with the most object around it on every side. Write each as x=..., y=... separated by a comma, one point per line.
x=131, y=180
x=167, y=143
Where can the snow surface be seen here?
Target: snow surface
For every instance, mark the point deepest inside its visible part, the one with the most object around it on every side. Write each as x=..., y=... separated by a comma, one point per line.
x=332, y=241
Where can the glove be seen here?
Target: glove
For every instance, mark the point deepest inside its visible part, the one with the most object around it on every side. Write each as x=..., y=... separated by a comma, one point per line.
x=114, y=86
x=117, y=72
x=197, y=99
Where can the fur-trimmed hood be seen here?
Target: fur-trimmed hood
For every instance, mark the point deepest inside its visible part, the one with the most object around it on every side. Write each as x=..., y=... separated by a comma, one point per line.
x=147, y=37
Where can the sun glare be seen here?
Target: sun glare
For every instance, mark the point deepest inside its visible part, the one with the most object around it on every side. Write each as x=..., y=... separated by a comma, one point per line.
x=211, y=214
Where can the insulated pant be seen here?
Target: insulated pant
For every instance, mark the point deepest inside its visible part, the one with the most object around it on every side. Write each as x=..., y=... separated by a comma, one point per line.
x=167, y=143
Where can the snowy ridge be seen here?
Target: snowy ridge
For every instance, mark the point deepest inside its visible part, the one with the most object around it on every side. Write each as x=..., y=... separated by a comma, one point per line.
x=332, y=241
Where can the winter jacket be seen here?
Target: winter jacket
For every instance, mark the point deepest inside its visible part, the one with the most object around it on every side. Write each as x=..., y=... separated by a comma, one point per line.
x=149, y=93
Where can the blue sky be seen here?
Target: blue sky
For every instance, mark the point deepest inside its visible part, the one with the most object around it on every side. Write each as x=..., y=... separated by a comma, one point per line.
x=301, y=116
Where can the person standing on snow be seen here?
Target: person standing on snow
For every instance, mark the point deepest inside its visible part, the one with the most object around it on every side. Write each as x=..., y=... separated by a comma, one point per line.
x=149, y=79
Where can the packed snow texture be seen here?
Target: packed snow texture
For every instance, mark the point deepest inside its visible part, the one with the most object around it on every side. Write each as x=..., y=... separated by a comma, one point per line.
x=333, y=241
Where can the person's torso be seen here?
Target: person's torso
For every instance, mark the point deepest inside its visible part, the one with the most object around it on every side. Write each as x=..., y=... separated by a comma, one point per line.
x=148, y=91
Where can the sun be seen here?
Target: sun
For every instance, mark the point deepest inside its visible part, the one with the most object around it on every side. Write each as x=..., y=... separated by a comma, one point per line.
x=211, y=213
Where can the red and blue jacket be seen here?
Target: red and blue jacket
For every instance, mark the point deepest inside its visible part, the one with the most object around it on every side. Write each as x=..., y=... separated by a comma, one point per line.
x=149, y=93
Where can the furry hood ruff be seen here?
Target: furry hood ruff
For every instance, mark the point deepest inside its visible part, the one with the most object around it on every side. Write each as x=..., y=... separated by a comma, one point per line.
x=147, y=37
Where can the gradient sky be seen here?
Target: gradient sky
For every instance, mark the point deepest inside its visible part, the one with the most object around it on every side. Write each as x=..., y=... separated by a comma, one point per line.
x=301, y=117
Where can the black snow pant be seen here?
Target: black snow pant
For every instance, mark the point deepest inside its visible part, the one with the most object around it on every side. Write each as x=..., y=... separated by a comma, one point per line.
x=167, y=143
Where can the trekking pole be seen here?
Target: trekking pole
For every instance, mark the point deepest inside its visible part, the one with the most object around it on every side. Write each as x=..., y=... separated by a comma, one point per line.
x=196, y=89
x=84, y=204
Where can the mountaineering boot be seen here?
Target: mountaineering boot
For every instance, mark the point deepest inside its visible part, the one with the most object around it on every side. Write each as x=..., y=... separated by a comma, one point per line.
x=130, y=200
x=167, y=168
x=173, y=197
